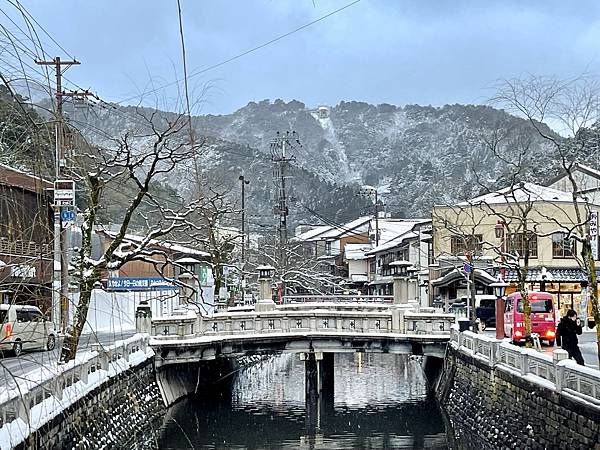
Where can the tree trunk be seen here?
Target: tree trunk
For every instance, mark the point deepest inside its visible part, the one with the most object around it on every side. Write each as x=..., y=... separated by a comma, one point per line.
x=88, y=274
x=71, y=341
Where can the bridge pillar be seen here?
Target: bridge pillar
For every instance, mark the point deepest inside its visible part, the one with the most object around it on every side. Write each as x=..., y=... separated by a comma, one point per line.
x=326, y=369
x=311, y=378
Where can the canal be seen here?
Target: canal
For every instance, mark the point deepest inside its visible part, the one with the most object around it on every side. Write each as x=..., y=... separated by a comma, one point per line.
x=379, y=401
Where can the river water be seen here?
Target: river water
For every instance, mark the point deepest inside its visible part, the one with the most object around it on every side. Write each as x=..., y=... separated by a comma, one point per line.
x=379, y=401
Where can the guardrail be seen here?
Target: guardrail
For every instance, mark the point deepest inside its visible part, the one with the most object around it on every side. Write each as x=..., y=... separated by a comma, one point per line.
x=20, y=401
x=289, y=320
x=565, y=375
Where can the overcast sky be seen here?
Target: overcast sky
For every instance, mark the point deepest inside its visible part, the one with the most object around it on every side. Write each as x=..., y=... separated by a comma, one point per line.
x=379, y=51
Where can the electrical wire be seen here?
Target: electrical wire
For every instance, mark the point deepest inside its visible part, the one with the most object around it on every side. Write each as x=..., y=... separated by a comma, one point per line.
x=240, y=55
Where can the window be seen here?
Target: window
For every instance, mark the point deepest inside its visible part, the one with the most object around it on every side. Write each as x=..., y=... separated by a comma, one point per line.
x=328, y=248
x=488, y=303
x=36, y=316
x=537, y=306
x=562, y=247
x=462, y=244
x=22, y=316
x=519, y=243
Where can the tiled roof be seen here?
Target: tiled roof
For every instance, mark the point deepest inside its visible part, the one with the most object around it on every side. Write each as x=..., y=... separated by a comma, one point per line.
x=569, y=275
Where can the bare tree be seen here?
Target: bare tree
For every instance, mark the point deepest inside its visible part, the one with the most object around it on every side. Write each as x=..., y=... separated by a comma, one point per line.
x=574, y=107
x=472, y=224
x=137, y=160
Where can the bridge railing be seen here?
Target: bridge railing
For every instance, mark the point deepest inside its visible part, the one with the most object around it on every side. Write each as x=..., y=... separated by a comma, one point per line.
x=387, y=299
x=61, y=382
x=564, y=375
x=289, y=320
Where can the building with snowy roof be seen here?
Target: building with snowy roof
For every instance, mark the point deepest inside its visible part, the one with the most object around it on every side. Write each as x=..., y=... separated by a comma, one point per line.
x=498, y=230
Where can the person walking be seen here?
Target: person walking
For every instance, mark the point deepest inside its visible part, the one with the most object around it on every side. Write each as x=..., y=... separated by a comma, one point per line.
x=566, y=335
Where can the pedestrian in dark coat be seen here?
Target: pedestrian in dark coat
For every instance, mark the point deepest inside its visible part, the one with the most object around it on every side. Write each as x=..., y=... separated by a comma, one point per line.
x=566, y=335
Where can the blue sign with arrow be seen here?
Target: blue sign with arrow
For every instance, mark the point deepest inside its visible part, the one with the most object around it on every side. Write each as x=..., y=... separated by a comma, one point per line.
x=68, y=215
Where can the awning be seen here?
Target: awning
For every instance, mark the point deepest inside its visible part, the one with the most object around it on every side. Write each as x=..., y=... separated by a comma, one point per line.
x=458, y=275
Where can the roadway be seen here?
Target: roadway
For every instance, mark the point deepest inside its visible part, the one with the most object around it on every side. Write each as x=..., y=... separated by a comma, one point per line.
x=587, y=344
x=14, y=369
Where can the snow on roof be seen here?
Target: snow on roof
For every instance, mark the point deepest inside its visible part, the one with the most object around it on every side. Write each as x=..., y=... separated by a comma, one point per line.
x=11, y=176
x=169, y=245
x=396, y=241
x=356, y=251
x=313, y=234
x=576, y=167
x=360, y=225
x=527, y=192
x=393, y=228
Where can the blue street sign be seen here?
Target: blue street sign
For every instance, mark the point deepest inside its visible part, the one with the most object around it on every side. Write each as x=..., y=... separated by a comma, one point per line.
x=467, y=268
x=138, y=284
x=67, y=215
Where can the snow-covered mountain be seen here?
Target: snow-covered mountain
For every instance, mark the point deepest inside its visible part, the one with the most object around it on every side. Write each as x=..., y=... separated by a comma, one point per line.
x=421, y=154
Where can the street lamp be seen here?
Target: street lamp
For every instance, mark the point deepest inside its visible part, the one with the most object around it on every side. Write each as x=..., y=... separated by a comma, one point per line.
x=499, y=291
x=243, y=182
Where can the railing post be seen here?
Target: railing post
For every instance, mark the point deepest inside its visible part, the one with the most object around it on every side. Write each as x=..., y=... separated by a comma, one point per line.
x=494, y=348
x=559, y=355
x=524, y=363
x=23, y=408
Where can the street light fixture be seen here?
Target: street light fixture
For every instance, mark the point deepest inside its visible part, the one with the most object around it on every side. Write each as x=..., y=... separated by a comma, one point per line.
x=499, y=291
x=243, y=182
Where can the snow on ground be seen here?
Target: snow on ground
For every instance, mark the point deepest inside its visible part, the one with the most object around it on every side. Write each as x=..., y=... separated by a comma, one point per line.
x=14, y=432
x=110, y=311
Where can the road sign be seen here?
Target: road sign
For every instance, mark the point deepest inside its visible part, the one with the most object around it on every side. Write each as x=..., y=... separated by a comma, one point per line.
x=67, y=215
x=64, y=193
x=139, y=284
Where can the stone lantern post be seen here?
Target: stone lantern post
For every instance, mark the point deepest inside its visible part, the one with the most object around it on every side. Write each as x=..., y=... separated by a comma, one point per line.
x=400, y=276
x=265, y=301
x=401, y=305
x=187, y=276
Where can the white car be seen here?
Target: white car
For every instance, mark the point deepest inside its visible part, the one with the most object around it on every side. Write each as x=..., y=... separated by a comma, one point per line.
x=25, y=327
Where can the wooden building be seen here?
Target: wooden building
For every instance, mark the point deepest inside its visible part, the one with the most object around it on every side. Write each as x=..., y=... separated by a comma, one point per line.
x=26, y=238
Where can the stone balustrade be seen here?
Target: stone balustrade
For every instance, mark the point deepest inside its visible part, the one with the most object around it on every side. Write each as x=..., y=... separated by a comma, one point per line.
x=386, y=299
x=18, y=403
x=340, y=318
x=565, y=376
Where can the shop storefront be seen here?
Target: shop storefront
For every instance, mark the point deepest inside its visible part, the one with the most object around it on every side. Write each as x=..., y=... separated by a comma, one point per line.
x=566, y=285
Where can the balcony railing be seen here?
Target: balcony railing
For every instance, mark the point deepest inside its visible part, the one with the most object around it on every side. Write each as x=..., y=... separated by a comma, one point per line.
x=24, y=248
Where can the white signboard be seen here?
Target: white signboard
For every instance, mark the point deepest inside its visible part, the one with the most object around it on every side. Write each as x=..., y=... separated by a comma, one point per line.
x=594, y=233
x=64, y=192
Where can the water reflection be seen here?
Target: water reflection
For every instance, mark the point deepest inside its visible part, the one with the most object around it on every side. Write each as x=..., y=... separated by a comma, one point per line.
x=379, y=402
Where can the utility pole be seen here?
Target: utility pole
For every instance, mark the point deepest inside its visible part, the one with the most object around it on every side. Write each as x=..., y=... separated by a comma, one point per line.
x=60, y=244
x=279, y=147
x=244, y=182
x=366, y=191
x=376, y=219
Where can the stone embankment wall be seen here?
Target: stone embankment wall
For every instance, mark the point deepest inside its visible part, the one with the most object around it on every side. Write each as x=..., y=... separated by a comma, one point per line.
x=123, y=410
x=493, y=407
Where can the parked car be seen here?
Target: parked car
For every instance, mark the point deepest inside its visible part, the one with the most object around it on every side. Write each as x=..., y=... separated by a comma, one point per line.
x=543, y=317
x=485, y=310
x=25, y=327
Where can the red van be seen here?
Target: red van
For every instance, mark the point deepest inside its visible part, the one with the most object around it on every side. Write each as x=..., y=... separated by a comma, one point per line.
x=543, y=321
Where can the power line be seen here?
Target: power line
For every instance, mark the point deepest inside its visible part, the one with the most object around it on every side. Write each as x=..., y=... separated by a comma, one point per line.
x=240, y=55
x=26, y=12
